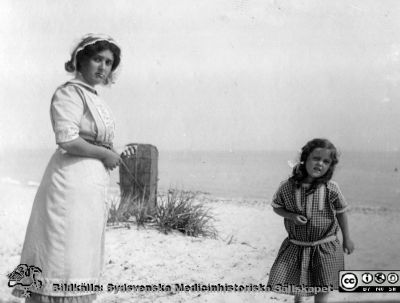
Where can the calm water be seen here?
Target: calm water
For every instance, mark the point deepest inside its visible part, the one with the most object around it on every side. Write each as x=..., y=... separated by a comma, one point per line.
x=366, y=178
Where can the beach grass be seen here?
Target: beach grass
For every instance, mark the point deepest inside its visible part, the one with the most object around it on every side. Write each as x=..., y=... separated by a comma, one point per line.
x=177, y=210
x=113, y=210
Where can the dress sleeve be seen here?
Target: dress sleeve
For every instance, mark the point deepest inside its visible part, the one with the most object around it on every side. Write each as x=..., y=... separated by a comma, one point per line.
x=66, y=112
x=278, y=200
x=337, y=199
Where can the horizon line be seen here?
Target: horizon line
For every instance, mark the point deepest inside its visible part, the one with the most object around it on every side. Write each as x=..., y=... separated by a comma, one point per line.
x=19, y=149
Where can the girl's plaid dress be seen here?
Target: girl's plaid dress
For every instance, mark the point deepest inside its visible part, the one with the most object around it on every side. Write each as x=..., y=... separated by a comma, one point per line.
x=311, y=255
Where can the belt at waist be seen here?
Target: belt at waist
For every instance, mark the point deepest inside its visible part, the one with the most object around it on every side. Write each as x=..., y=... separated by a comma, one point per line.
x=314, y=243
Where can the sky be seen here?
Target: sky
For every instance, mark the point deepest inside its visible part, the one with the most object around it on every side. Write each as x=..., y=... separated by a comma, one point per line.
x=213, y=74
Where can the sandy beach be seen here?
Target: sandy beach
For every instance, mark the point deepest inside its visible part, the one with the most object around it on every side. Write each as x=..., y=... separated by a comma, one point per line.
x=249, y=237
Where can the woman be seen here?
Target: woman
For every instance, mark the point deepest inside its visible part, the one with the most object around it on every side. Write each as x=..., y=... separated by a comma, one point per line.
x=65, y=234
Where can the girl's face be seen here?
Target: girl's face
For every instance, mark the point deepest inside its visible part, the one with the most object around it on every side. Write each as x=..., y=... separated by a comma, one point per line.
x=318, y=163
x=97, y=68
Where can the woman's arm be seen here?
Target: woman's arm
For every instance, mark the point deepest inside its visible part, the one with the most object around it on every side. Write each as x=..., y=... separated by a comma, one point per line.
x=298, y=219
x=348, y=245
x=79, y=147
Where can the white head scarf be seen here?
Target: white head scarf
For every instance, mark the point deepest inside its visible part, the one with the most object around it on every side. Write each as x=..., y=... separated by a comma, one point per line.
x=89, y=39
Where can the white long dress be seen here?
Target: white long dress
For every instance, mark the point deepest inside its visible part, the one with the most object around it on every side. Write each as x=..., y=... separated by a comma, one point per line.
x=65, y=234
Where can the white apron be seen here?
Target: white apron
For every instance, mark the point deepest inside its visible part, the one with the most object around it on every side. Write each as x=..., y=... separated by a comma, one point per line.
x=65, y=234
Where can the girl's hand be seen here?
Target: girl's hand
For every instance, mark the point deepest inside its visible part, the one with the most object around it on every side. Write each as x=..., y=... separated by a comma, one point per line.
x=348, y=246
x=111, y=159
x=129, y=151
x=299, y=219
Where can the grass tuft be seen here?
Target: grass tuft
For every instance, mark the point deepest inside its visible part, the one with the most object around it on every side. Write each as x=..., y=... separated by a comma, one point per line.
x=140, y=211
x=178, y=211
x=113, y=211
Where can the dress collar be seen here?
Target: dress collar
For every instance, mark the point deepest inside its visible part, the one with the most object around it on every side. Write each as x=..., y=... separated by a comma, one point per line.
x=83, y=84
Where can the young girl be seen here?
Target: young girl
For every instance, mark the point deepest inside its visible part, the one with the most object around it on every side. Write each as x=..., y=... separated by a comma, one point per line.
x=309, y=260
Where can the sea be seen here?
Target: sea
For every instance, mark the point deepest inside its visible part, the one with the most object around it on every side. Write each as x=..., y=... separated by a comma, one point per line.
x=367, y=179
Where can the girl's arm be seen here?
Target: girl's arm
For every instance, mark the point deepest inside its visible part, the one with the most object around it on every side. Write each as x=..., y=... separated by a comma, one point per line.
x=298, y=219
x=79, y=147
x=348, y=245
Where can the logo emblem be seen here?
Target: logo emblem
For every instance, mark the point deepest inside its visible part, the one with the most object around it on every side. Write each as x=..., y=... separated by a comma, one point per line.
x=349, y=281
x=380, y=277
x=367, y=277
x=392, y=278
x=25, y=278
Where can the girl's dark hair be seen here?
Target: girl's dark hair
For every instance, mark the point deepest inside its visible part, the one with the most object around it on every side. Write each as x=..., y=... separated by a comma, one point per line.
x=299, y=173
x=93, y=49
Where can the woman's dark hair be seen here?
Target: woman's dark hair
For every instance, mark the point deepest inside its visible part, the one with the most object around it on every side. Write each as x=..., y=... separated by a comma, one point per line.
x=93, y=49
x=299, y=173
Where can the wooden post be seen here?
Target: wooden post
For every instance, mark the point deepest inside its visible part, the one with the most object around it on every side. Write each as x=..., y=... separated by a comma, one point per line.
x=138, y=180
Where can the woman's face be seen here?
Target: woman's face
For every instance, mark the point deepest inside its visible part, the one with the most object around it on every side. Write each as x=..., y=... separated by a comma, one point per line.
x=96, y=69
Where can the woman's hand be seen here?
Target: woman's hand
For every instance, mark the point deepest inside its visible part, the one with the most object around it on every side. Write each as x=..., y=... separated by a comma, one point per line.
x=299, y=219
x=129, y=151
x=111, y=159
x=348, y=246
